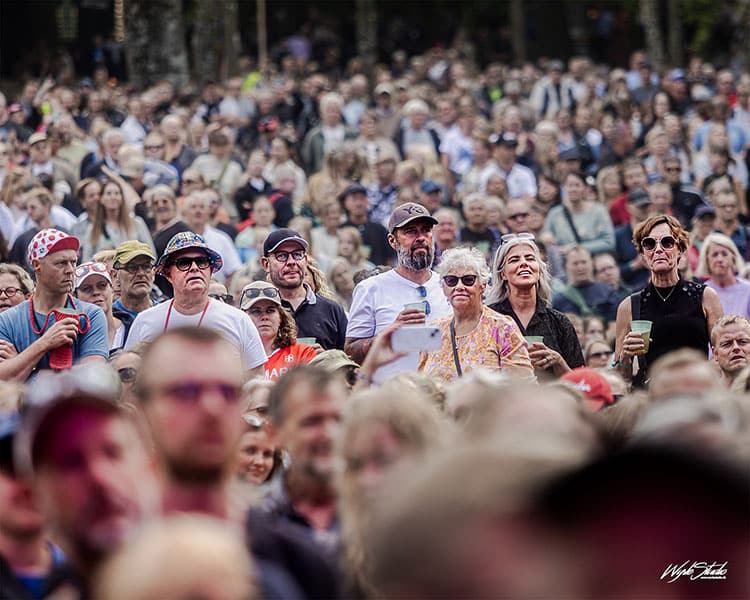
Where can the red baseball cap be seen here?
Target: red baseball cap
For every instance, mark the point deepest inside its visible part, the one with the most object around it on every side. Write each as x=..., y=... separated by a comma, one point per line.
x=48, y=241
x=594, y=386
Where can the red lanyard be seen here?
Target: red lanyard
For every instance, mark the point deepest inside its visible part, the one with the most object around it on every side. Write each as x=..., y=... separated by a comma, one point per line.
x=32, y=316
x=169, y=313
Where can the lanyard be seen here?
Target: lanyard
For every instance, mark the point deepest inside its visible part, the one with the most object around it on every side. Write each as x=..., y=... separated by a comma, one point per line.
x=32, y=316
x=169, y=314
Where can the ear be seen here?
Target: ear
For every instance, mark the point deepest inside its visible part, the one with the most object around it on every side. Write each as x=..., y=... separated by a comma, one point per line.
x=265, y=264
x=392, y=241
x=35, y=264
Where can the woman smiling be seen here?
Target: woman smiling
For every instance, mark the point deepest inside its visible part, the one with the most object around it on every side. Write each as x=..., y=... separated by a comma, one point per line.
x=475, y=336
x=523, y=292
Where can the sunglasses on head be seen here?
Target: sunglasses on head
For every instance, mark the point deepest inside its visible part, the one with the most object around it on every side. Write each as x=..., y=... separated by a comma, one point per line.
x=268, y=292
x=87, y=268
x=452, y=280
x=667, y=243
x=185, y=262
x=509, y=237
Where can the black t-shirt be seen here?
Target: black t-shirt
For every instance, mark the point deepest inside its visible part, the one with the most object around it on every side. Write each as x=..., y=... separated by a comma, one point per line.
x=323, y=319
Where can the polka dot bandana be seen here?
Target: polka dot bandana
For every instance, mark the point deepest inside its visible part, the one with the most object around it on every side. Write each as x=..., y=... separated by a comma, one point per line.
x=48, y=241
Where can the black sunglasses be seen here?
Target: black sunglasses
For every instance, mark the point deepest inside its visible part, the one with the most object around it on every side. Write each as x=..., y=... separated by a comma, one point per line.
x=452, y=280
x=667, y=242
x=185, y=262
x=225, y=298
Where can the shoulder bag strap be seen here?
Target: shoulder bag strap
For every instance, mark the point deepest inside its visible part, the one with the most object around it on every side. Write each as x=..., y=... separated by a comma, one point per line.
x=635, y=314
x=572, y=294
x=455, y=350
x=569, y=218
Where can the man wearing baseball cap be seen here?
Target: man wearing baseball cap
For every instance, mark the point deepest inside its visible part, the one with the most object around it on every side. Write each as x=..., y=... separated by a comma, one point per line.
x=357, y=206
x=188, y=263
x=380, y=300
x=520, y=180
x=52, y=329
x=285, y=260
x=134, y=268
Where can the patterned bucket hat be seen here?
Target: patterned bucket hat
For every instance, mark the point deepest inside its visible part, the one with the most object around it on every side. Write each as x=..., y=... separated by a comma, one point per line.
x=186, y=240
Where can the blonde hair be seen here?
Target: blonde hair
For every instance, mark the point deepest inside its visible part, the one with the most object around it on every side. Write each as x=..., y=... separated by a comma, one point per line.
x=719, y=239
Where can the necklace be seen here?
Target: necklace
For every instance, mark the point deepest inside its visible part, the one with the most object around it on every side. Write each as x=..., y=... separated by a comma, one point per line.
x=664, y=299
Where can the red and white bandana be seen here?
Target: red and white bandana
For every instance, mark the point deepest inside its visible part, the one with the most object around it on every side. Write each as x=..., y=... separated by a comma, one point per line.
x=48, y=241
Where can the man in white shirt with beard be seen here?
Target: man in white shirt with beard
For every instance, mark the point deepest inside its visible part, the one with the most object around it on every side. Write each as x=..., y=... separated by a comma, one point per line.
x=379, y=301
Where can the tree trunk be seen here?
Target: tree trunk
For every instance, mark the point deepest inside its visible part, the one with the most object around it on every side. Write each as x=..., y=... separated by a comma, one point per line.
x=517, y=31
x=367, y=34
x=743, y=32
x=649, y=14
x=155, y=42
x=215, y=39
x=674, y=34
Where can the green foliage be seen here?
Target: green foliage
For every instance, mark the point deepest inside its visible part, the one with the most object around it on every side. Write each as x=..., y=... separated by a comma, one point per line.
x=701, y=17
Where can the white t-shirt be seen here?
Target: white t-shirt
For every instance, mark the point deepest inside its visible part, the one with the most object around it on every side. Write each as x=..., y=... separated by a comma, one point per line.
x=222, y=243
x=520, y=181
x=230, y=322
x=377, y=301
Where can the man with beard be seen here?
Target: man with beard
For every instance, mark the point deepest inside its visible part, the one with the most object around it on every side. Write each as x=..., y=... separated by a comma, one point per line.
x=379, y=301
x=90, y=472
x=306, y=407
x=730, y=346
x=193, y=409
x=188, y=264
x=194, y=415
x=285, y=260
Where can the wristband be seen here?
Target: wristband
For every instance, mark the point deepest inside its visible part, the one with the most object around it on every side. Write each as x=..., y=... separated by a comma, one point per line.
x=364, y=377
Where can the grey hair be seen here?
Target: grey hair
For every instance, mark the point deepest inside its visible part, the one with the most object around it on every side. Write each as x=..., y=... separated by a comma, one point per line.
x=725, y=242
x=500, y=290
x=468, y=258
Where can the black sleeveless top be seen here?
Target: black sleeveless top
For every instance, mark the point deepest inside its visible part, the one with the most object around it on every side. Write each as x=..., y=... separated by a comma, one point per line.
x=678, y=321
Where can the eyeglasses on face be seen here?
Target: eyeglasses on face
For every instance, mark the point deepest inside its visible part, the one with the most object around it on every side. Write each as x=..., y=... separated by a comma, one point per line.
x=516, y=216
x=154, y=147
x=184, y=263
x=191, y=181
x=667, y=243
x=127, y=374
x=282, y=257
x=598, y=355
x=91, y=267
x=191, y=392
x=133, y=268
x=225, y=298
x=10, y=291
x=466, y=280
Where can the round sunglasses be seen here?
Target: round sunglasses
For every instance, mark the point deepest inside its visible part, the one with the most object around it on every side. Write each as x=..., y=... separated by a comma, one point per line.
x=667, y=243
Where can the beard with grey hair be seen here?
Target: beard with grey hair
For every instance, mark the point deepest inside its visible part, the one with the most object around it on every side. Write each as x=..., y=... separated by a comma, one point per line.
x=410, y=259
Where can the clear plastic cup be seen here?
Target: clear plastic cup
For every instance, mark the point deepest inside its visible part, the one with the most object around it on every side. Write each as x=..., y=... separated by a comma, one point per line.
x=644, y=329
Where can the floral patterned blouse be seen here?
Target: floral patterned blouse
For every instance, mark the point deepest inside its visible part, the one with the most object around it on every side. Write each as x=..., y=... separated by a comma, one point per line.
x=495, y=343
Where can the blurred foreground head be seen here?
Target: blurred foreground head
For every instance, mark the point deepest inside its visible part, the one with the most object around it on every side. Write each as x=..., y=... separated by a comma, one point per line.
x=184, y=557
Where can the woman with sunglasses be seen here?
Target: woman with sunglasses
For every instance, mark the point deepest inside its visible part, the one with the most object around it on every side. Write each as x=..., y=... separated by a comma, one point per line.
x=523, y=291
x=474, y=336
x=682, y=312
x=262, y=302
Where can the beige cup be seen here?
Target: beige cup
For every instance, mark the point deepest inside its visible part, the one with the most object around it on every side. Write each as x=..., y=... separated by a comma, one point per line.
x=644, y=329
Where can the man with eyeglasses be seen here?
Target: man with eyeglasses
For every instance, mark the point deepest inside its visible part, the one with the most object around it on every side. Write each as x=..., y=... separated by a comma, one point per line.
x=134, y=267
x=188, y=264
x=285, y=260
x=380, y=300
x=52, y=330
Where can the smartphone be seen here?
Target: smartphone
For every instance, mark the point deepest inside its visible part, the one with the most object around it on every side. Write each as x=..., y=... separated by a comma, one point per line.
x=416, y=338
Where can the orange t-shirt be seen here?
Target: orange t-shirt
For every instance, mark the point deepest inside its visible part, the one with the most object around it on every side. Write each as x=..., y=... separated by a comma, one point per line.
x=283, y=359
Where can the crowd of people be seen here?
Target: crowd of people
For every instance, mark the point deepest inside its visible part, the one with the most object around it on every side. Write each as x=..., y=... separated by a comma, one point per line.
x=440, y=332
